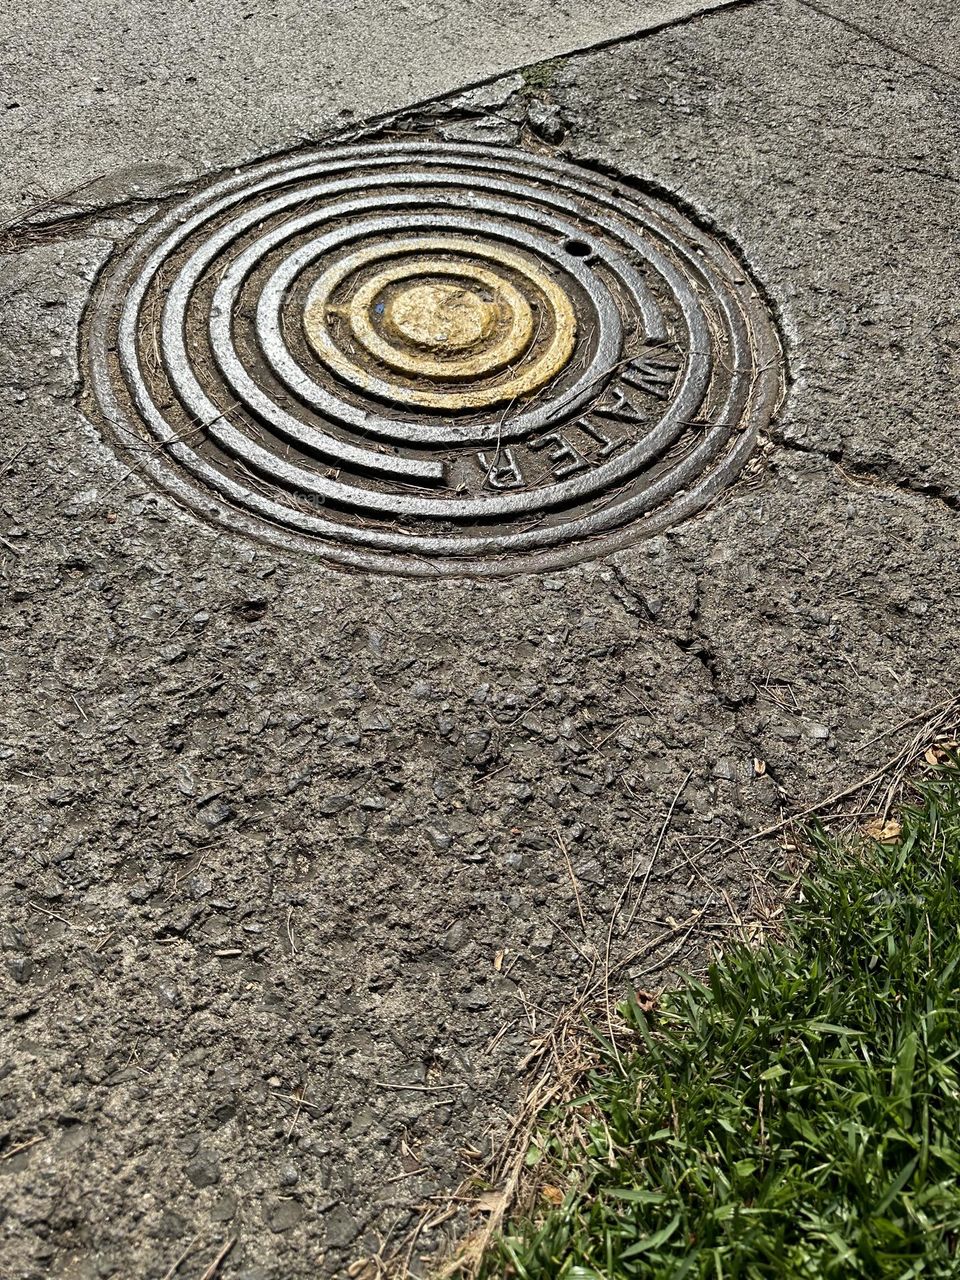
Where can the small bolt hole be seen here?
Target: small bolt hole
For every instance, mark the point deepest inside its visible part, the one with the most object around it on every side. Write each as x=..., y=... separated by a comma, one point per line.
x=577, y=248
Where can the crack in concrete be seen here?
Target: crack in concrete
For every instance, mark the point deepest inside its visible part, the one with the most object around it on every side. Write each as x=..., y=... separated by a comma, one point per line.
x=876, y=473
x=940, y=175
x=891, y=45
x=16, y=237
x=697, y=644
x=19, y=233
x=641, y=607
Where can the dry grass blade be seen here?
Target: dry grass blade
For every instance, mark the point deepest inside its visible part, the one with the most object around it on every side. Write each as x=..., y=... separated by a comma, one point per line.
x=218, y=1261
x=628, y=884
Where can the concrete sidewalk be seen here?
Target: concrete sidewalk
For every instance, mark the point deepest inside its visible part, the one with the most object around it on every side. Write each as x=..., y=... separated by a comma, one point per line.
x=122, y=99
x=299, y=862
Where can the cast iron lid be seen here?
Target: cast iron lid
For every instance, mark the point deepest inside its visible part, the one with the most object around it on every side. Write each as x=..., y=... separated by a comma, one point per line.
x=435, y=359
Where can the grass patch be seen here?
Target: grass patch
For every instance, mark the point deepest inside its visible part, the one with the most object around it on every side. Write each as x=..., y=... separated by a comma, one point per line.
x=796, y=1114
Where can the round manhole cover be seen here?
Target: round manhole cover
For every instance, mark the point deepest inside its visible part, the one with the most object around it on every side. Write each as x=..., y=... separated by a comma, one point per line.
x=433, y=359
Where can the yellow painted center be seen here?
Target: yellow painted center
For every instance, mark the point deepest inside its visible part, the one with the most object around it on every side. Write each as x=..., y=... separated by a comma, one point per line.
x=450, y=316
x=439, y=317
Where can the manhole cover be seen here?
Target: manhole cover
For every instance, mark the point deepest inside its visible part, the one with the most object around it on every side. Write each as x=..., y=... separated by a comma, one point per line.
x=434, y=359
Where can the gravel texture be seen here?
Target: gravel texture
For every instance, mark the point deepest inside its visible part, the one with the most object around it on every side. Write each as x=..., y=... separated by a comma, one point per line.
x=285, y=896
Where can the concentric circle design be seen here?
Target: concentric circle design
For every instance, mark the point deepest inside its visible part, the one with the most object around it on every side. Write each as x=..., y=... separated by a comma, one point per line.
x=432, y=359
x=435, y=314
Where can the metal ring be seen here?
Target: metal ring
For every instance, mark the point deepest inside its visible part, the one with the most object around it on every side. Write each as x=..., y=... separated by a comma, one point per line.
x=498, y=450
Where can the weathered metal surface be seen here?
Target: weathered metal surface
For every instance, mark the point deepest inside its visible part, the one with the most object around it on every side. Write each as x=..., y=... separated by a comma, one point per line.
x=467, y=332
x=434, y=359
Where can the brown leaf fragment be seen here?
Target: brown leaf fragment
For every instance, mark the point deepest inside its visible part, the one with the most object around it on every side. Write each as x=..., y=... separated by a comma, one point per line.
x=488, y=1202
x=884, y=832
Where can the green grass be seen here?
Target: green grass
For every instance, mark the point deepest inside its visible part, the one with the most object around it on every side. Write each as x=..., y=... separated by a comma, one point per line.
x=797, y=1113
